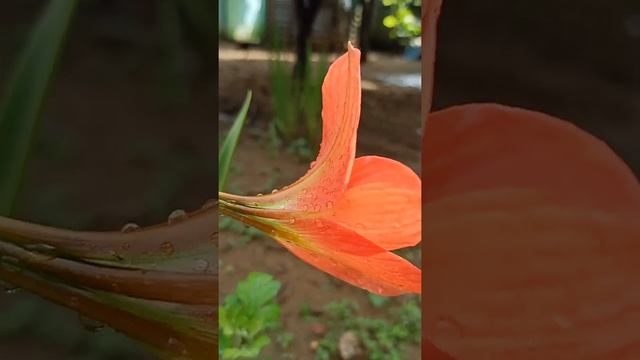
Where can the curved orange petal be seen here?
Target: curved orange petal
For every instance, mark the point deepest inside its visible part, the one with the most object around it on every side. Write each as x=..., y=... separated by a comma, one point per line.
x=338, y=251
x=486, y=146
x=382, y=203
x=350, y=257
x=328, y=176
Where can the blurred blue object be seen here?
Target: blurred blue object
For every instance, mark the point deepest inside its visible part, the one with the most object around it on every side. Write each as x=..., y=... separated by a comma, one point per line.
x=413, y=52
x=244, y=20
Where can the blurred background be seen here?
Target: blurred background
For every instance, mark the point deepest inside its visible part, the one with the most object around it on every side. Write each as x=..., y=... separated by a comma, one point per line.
x=280, y=50
x=578, y=60
x=128, y=134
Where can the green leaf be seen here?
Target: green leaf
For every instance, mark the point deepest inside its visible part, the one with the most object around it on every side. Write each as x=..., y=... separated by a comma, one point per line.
x=258, y=289
x=230, y=142
x=25, y=95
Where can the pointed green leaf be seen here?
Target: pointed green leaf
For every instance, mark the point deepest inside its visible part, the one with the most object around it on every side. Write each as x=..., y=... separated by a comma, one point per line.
x=230, y=142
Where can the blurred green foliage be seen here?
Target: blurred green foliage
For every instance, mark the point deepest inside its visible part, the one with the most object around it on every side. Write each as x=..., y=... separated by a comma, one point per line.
x=404, y=20
x=297, y=104
x=248, y=315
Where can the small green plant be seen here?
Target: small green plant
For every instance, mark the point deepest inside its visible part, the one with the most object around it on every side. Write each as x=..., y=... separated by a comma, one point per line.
x=248, y=315
x=297, y=105
x=380, y=339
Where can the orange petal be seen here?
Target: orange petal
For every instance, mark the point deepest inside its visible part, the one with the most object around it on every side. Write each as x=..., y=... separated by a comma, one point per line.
x=486, y=146
x=512, y=276
x=532, y=238
x=338, y=251
x=350, y=257
x=329, y=174
x=382, y=203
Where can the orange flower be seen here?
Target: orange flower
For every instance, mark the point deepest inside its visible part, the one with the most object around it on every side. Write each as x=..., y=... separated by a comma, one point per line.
x=345, y=214
x=532, y=238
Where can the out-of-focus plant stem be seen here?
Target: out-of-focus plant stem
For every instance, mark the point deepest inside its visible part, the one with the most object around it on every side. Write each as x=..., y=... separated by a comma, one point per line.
x=157, y=285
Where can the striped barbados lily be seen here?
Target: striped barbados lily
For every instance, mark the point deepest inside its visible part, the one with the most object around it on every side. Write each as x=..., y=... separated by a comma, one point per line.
x=346, y=214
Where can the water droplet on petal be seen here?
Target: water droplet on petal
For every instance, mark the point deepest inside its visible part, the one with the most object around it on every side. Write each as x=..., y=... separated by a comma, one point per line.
x=167, y=248
x=312, y=165
x=274, y=191
x=177, y=215
x=201, y=265
x=259, y=194
x=130, y=227
x=211, y=203
x=116, y=256
x=11, y=290
x=176, y=346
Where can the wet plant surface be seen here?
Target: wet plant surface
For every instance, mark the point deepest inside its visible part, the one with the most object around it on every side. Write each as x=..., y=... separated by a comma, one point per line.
x=113, y=148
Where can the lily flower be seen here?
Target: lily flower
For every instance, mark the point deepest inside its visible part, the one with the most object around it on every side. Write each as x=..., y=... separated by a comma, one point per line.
x=346, y=214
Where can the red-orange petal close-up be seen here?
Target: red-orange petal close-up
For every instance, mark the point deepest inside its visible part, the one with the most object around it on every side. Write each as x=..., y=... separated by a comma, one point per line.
x=532, y=239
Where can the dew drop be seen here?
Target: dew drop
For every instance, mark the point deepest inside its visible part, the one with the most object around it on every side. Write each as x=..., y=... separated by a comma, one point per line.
x=259, y=194
x=167, y=248
x=11, y=290
x=115, y=255
x=130, y=227
x=176, y=346
x=312, y=165
x=177, y=215
x=211, y=203
x=274, y=191
x=201, y=265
